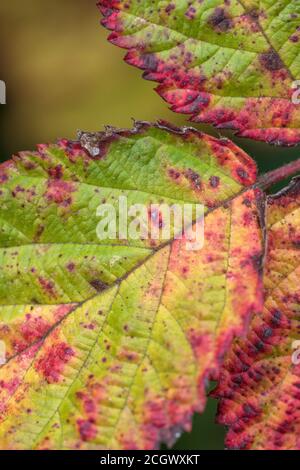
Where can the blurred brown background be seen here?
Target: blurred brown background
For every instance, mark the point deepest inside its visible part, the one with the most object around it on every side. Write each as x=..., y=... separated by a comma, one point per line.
x=62, y=75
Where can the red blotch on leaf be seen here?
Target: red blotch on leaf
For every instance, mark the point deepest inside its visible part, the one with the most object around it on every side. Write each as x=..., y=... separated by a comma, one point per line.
x=87, y=429
x=34, y=328
x=47, y=286
x=51, y=365
x=60, y=192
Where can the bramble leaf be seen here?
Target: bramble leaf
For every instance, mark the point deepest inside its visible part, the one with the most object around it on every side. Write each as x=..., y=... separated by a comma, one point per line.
x=233, y=64
x=260, y=382
x=110, y=343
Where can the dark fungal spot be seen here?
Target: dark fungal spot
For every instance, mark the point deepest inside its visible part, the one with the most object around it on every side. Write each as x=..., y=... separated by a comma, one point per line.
x=174, y=174
x=190, y=13
x=268, y=332
x=238, y=380
x=47, y=286
x=70, y=267
x=249, y=410
x=220, y=21
x=87, y=429
x=169, y=8
x=254, y=14
x=257, y=261
x=56, y=172
x=214, y=181
x=19, y=189
x=242, y=174
x=271, y=61
x=201, y=102
x=150, y=62
x=98, y=285
x=106, y=12
x=247, y=202
x=3, y=178
x=259, y=346
x=194, y=178
x=276, y=319
x=276, y=370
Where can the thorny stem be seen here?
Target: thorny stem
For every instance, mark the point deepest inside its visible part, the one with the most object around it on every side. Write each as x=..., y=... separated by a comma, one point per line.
x=275, y=176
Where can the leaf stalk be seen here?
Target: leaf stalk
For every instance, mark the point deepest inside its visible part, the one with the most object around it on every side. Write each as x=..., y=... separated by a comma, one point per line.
x=279, y=174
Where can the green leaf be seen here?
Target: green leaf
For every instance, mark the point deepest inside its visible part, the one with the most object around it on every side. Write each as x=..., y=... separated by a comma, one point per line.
x=232, y=64
x=110, y=343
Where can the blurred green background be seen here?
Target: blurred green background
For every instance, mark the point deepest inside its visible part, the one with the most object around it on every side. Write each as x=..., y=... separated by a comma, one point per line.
x=61, y=76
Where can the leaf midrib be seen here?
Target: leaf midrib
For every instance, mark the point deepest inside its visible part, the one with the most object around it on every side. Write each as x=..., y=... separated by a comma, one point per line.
x=164, y=244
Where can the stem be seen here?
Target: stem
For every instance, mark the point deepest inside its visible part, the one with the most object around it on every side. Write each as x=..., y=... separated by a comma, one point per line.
x=280, y=174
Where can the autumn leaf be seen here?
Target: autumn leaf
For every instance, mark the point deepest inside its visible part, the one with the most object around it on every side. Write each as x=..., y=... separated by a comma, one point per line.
x=260, y=382
x=110, y=343
x=234, y=64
